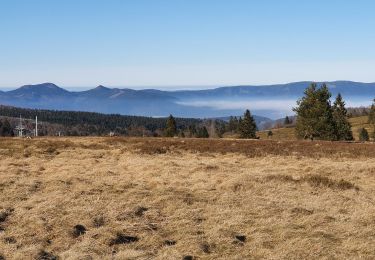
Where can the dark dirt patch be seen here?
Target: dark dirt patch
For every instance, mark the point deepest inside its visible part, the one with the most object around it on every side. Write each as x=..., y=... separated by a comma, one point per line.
x=123, y=239
x=51, y=151
x=5, y=214
x=78, y=230
x=170, y=242
x=240, y=238
x=140, y=211
x=10, y=240
x=44, y=255
x=206, y=247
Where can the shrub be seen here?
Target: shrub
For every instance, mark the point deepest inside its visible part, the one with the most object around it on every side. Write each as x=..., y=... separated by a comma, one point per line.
x=363, y=135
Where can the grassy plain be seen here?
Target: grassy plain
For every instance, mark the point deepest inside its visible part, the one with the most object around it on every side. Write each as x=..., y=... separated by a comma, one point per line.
x=154, y=198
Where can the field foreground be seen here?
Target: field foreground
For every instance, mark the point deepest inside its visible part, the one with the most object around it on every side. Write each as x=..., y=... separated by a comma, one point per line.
x=133, y=198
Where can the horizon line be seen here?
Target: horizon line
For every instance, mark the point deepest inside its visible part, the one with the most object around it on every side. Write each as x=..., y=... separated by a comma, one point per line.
x=172, y=87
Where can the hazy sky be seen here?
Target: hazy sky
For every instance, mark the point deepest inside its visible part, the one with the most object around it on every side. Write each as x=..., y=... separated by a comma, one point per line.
x=171, y=43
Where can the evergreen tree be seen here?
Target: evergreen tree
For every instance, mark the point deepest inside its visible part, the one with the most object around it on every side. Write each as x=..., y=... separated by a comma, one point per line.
x=269, y=134
x=238, y=129
x=171, y=127
x=248, y=127
x=343, y=127
x=371, y=118
x=233, y=124
x=202, y=132
x=363, y=135
x=192, y=131
x=314, y=114
x=287, y=121
x=371, y=115
x=181, y=134
x=219, y=128
x=6, y=129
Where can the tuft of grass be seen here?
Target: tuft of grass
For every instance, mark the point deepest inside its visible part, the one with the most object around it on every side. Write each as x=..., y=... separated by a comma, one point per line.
x=140, y=211
x=206, y=247
x=281, y=177
x=301, y=211
x=317, y=180
x=44, y=255
x=51, y=150
x=5, y=214
x=98, y=221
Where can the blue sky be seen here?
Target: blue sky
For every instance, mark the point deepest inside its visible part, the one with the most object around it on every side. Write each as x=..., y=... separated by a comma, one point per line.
x=180, y=43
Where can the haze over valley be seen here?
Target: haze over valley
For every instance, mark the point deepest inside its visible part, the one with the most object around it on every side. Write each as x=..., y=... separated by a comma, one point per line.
x=270, y=101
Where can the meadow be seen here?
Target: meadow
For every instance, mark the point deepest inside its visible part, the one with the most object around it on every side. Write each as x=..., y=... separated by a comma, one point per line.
x=176, y=198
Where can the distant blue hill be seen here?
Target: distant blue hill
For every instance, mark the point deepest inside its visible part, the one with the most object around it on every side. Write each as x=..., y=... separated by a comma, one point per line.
x=273, y=101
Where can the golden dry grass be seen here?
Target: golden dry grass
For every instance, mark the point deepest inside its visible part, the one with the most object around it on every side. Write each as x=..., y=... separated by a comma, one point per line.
x=284, y=133
x=134, y=198
x=360, y=122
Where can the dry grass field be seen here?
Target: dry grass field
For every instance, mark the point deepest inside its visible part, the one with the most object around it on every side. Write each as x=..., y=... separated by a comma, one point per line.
x=129, y=198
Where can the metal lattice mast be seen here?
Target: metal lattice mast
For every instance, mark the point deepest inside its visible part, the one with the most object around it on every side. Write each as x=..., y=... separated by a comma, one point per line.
x=20, y=128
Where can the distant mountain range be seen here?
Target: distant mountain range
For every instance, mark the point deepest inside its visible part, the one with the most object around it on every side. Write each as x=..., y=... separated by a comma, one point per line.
x=272, y=101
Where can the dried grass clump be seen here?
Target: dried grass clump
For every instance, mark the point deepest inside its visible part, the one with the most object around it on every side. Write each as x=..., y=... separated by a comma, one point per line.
x=323, y=181
x=44, y=255
x=315, y=180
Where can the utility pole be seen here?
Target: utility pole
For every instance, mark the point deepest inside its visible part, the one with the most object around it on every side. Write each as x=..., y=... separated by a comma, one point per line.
x=36, y=125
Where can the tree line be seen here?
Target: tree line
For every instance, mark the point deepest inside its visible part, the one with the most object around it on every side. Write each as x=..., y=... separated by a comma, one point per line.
x=75, y=123
x=245, y=127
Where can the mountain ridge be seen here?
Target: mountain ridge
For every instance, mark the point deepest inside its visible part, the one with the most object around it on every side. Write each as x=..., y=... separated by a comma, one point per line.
x=272, y=101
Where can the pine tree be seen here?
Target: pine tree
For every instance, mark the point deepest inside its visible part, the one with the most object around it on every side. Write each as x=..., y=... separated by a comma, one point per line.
x=314, y=114
x=6, y=129
x=371, y=118
x=233, y=124
x=239, y=123
x=248, y=127
x=363, y=135
x=269, y=134
x=202, y=132
x=171, y=127
x=343, y=127
x=192, y=131
x=219, y=128
x=287, y=121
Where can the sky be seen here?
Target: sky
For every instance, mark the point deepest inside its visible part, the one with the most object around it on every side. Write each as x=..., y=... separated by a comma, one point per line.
x=173, y=44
